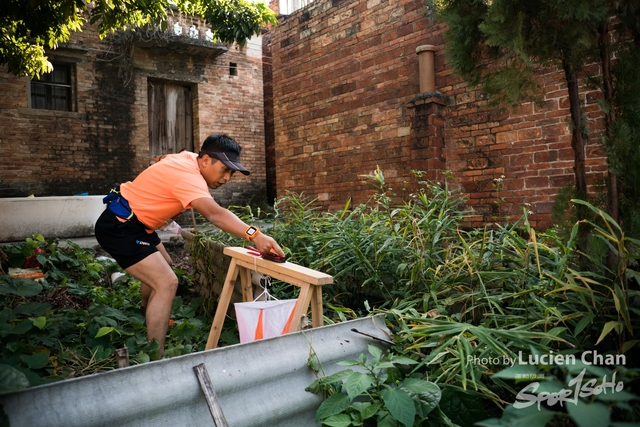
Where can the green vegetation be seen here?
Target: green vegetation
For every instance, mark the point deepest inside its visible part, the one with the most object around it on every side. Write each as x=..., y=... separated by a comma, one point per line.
x=466, y=305
x=382, y=394
x=28, y=28
x=71, y=323
x=502, y=47
x=482, y=320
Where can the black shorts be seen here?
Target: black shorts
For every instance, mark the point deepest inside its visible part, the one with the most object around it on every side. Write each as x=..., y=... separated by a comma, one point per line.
x=127, y=242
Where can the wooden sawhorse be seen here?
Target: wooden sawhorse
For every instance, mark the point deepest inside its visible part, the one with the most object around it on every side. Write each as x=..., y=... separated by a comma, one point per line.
x=243, y=263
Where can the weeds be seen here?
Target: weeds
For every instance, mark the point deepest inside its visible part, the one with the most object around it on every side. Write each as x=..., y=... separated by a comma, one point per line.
x=462, y=305
x=70, y=323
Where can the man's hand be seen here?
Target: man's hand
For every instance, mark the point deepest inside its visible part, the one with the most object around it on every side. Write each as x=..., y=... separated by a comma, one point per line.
x=267, y=245
x=227, y=221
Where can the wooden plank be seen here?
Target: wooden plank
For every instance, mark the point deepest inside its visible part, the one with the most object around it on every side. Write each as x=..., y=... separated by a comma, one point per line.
x=122, y=357
x=301, y=306
x=223, y=304
x=210, y=395
x=273, y=274
x=270, y=268
x=247, y=285
x=316, y=307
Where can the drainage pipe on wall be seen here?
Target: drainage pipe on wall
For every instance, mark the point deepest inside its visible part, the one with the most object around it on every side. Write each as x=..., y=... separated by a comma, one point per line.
x=426, y=64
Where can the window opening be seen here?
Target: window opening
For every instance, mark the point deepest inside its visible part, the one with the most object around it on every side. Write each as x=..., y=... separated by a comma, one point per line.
x=233, y=69
x=52, y=91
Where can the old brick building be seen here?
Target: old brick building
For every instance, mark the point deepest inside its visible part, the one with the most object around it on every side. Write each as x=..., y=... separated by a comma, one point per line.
x=346, y=98
x=342, y=96
x=112, y=105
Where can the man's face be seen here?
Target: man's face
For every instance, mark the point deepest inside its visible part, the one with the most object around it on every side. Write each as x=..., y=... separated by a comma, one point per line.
x=214, y=172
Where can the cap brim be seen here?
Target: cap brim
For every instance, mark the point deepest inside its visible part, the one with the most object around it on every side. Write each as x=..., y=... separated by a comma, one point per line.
x=236, y=166
x=229, y=159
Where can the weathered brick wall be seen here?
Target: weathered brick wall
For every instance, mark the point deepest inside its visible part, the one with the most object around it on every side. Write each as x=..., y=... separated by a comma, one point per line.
x=105, y=140
x=269, y=137
x=345, y=89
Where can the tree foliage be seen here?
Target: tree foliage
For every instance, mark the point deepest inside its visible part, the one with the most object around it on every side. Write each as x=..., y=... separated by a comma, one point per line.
x=517, y=37
x=502, y=45
x=27, y=28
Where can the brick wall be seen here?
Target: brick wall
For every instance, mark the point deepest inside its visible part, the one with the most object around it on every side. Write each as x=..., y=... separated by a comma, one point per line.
x=105, y=139
x=347, y=99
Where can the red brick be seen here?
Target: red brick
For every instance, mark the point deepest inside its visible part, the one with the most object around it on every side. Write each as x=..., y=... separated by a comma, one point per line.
x=531, y=146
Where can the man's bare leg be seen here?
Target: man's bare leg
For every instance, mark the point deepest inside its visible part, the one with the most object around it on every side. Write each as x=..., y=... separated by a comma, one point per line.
x=161, y=285
x=145, y=290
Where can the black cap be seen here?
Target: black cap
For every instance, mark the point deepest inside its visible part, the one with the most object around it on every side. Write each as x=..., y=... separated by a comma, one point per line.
x=232, y=160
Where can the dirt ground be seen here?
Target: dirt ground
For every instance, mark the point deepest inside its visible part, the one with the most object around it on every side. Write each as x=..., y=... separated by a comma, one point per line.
x=179, y=255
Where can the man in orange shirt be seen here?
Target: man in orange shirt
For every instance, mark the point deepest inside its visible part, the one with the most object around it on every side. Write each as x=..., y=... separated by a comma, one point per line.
x=178, y=182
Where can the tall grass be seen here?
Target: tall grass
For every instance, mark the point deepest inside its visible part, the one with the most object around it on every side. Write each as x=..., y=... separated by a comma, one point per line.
x=377, y=251
x=455, y=298
x=465, y=303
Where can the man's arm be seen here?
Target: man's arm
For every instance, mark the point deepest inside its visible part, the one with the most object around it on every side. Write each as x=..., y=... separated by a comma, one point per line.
x=227, y=221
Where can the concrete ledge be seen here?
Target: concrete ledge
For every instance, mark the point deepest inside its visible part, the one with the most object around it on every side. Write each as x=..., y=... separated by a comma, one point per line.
x=53, y=217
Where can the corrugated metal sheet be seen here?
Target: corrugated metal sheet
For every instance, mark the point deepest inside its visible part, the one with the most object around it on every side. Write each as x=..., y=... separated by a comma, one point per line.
x=258, y=384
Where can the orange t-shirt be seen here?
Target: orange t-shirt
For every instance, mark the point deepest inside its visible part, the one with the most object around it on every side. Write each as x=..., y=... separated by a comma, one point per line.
x=165, y=189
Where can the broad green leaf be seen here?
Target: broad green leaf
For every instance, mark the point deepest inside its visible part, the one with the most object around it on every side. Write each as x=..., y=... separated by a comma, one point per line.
x=349, y=362
x=104, y=320
x=334, y=378
x=335, y=404
x=35, y=361
x=22, y=327
x=115, y=313
x=366, y=409
x=385, y=365
x=386, y=420
x=142, y=357
x=315, y=387
x=401, y=360
x=357, y=384
x=11, y=379
x=375, y=352
x=462, y=408
x=105, y=330
x=20, y=287
x=589, y=414
x=400, y=405
x=39, y=322
x=32, y=308
x=425, y=394
x=339, y=420
x=100, y=352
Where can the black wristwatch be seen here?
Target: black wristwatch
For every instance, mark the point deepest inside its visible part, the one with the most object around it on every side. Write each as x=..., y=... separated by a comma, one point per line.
x=251, y=233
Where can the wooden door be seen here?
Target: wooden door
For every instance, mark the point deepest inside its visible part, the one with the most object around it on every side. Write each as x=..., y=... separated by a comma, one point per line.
x=170, y=118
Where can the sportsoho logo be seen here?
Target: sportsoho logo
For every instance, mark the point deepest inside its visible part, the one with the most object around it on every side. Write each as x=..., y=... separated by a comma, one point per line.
x=578, y=387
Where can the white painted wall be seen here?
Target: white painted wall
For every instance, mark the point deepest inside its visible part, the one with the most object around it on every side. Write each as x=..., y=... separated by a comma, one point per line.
x=53, y=217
